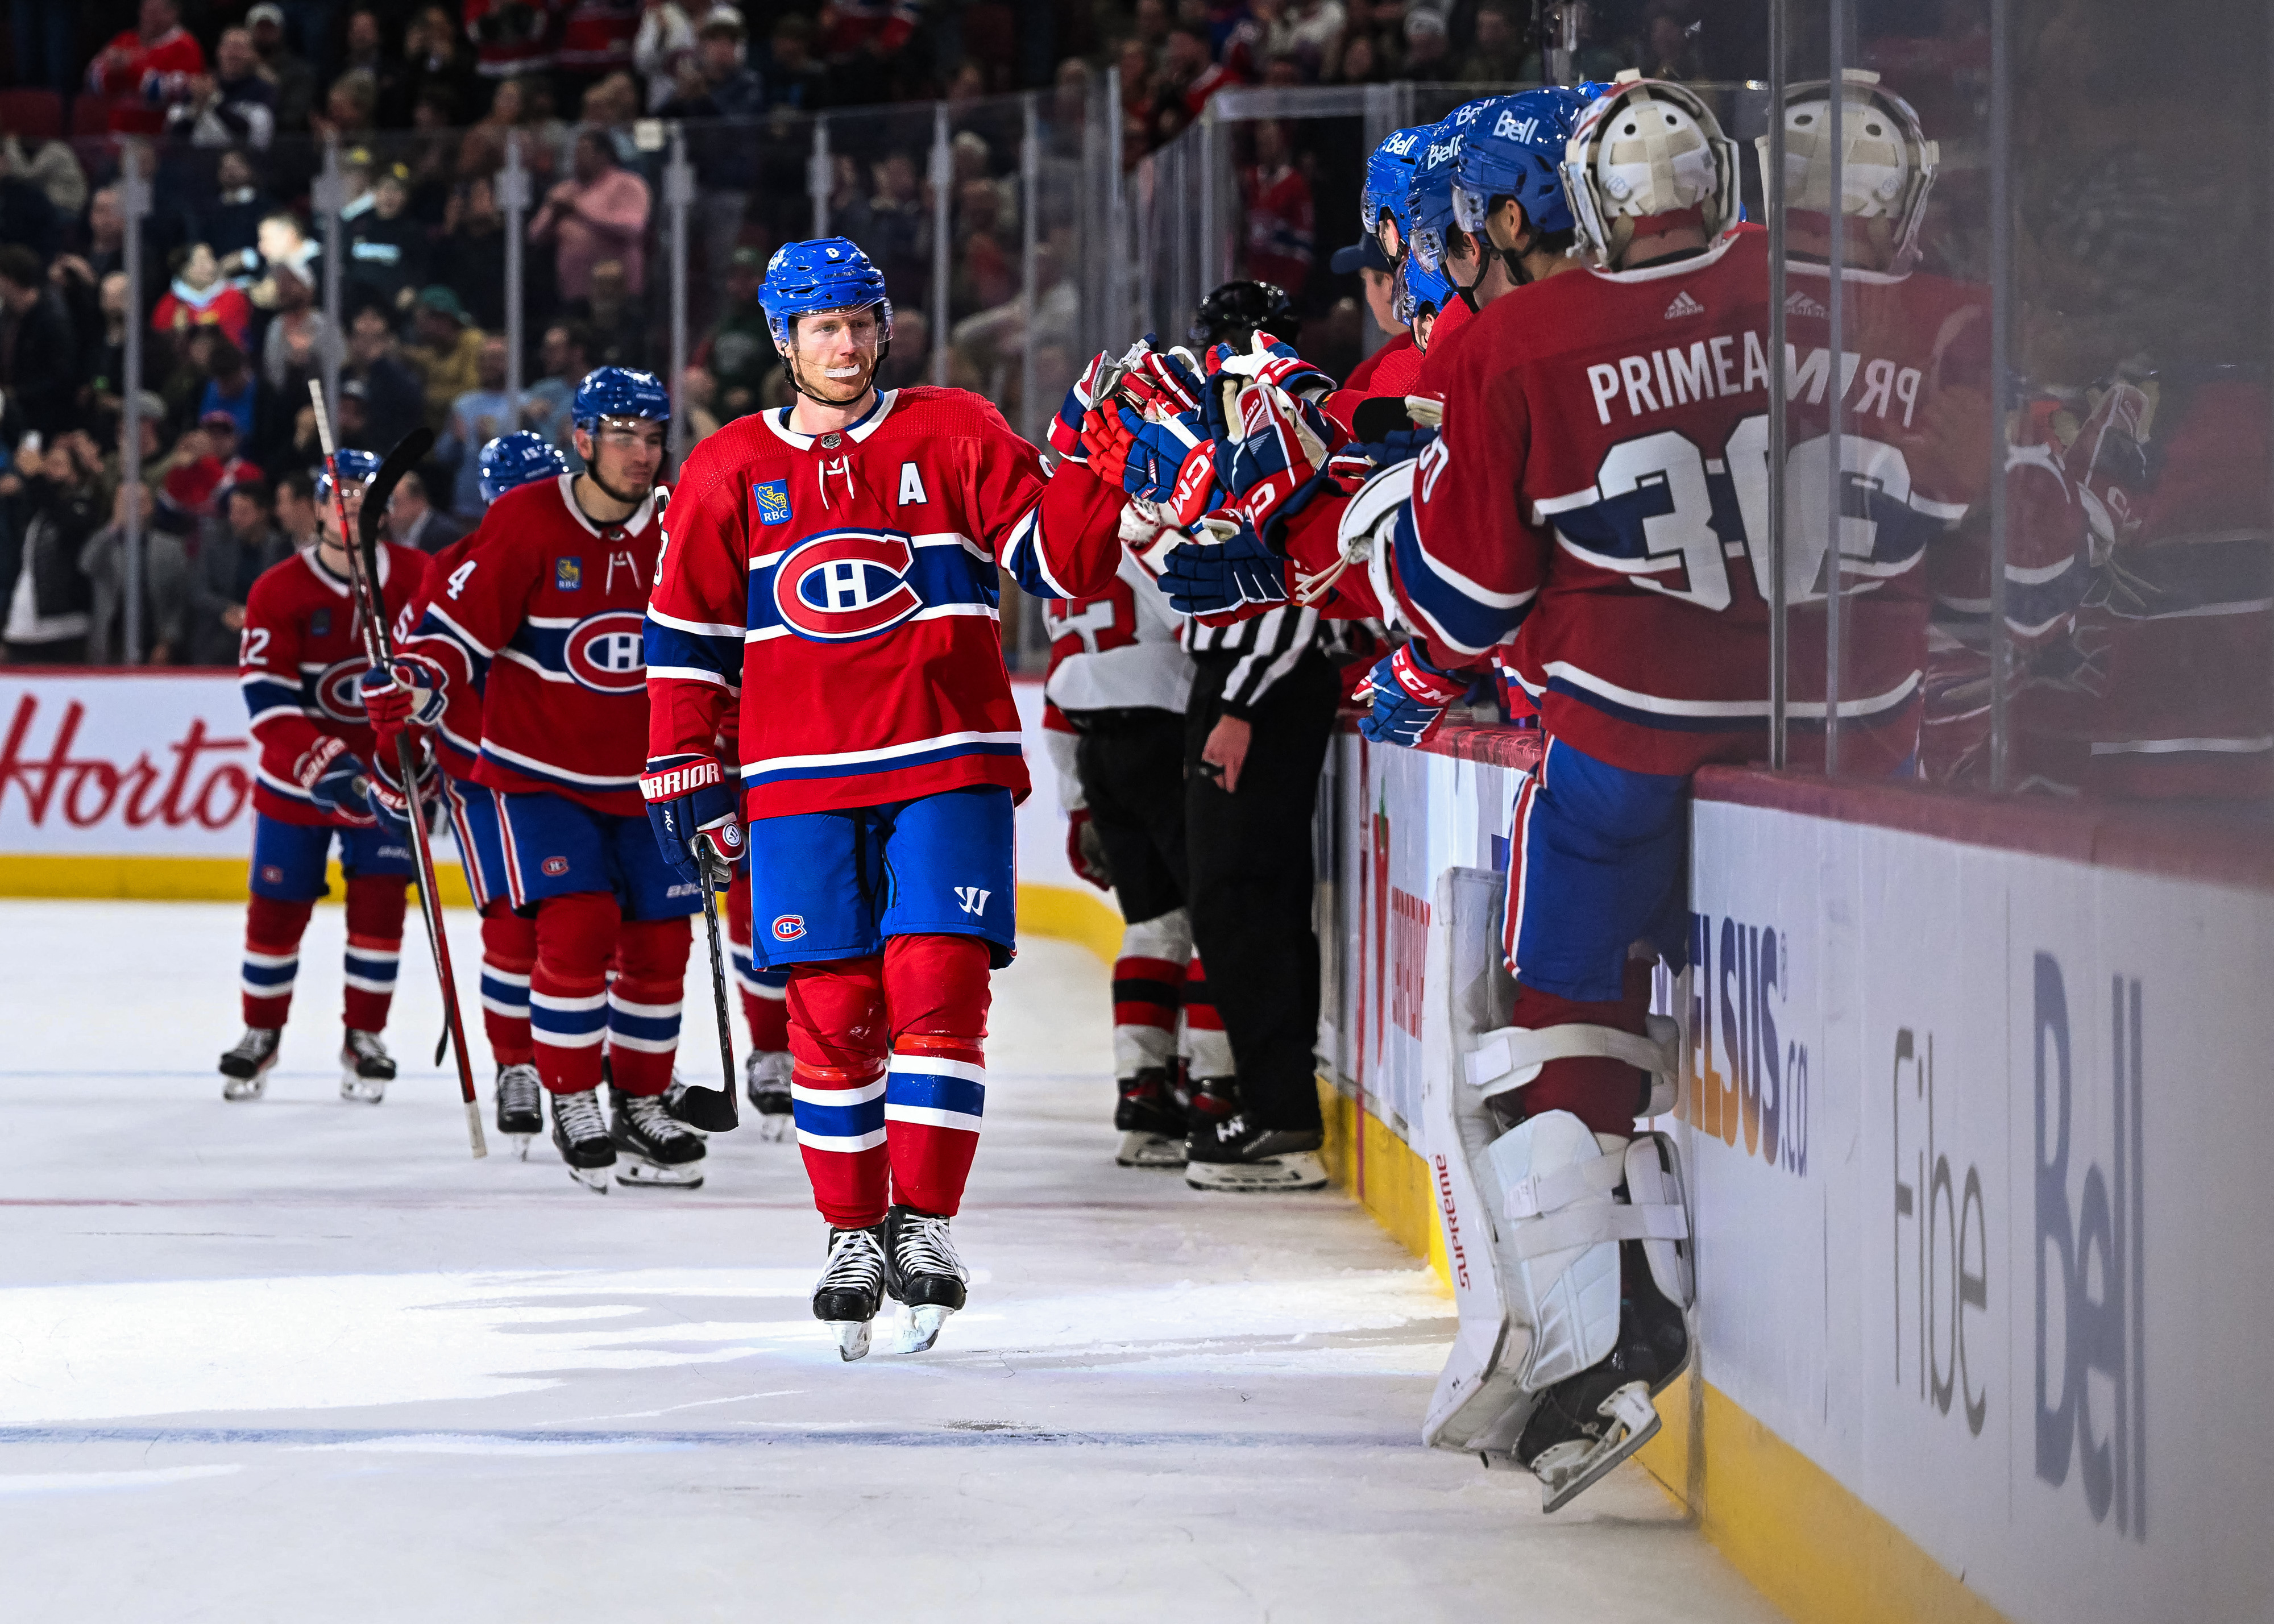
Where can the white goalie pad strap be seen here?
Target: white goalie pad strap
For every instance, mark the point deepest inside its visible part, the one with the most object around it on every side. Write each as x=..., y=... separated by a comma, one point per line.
x=1529, y=1197
x=1653, y=1169
x=1586, y=1226
x=1511, y=1056
x=1562, y=1268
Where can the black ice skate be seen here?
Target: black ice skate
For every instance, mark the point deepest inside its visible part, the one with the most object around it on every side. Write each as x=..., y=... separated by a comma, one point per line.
x=923, y=1273
x=766, y=1078
x=1235, y=1152
x=580, y=1132
x=519, y=1105
x=245, y=1068
x=365, y=1068
x=659, y=1150
x=851, y=1288
x=1152, y=1127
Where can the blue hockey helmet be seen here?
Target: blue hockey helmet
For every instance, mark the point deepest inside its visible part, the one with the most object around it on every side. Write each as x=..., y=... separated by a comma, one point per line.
x=829, y=272
x=1389, y=172
x=1419, y=287
x=516, y=459
x=1429, y=196
x=1515, y=148
x=357, y=467
x=619, y=392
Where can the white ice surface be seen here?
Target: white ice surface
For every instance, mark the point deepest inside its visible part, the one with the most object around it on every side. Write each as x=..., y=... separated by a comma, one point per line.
x=303, y=1360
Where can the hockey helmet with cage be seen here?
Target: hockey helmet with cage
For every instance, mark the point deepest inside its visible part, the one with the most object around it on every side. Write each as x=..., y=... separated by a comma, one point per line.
x=1382, y=202
x=358, y=468
x=1237, y=310
x=827, y=273
x=1886, y=163
x=1649, y=152
x=619, y=392
x=1420, y=287
x=1430, y=193
x=514, y=459
x=1515, y=148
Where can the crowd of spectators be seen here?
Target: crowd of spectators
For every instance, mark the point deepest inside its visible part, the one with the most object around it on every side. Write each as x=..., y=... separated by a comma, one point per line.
x=234, y=106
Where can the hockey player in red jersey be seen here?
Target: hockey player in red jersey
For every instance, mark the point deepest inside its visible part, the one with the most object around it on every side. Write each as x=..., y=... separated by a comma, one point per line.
x=832, y=570
x=543, y=617
x=299, y=661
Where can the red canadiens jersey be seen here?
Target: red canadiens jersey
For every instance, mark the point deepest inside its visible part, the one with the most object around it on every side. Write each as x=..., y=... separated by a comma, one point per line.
x=457, y=737
x=300, y=662
x=1116, y=649
x=1364, y=375
x=541, y=617
x=1602, y=481
x=844, y=585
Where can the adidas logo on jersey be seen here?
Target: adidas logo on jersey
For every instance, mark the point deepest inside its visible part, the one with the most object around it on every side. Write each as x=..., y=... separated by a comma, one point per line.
x=1801, y=305
x=1683, y=305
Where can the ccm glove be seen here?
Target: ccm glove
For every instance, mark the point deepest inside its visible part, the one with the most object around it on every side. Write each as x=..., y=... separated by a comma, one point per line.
x=335, y=779
x=1409, y=696
x=406, y=693
x=1224, y=567
x=689, y=802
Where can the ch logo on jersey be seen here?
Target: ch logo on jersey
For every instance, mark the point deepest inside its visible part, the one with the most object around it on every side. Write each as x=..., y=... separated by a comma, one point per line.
x=789, y=926
x=606, y=652
x=773, y=501
x=846, y=584
x=339, y=693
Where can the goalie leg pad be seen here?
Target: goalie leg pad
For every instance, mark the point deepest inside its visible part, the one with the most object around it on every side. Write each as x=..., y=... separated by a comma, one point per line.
x=1518, y=1057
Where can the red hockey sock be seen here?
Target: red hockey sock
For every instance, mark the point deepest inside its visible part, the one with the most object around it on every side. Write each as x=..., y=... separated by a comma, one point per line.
x=935, y=998
x=376, y=905
x=567, y=997
x=508, y=955
x=272, y=958
x=837, y=1045
x=643, y=1003
x=1602, y=1092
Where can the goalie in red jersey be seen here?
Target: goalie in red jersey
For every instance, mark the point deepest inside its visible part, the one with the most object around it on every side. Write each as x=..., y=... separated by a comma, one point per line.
x=832, y=572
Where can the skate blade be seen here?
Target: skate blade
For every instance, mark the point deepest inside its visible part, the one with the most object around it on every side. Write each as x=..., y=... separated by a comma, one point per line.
x=774, y=1129
x=852, y=1338
x=1567, y=1470
x=244, y=1089
x=521, y=1142
x=643, y=1174
x=362, y=1090
x=1149, y=1150
x=1302, y=1171
x=594, y=1178
x=920, y=1326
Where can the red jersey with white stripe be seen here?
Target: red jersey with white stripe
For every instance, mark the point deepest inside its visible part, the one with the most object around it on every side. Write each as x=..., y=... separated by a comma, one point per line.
x=300, y=661
x=542, y=617
x=457, y=737
x=1602, y=481
x=844, y=585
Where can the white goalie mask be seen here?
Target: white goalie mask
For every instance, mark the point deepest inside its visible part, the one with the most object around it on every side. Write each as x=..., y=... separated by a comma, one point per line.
x=1886, y=163
x=1650, y=148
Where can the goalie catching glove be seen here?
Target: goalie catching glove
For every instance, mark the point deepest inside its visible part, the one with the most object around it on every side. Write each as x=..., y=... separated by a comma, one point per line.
x=689, y=803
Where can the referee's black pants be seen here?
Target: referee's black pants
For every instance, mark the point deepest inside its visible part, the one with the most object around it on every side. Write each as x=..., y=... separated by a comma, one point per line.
x=1251, y=882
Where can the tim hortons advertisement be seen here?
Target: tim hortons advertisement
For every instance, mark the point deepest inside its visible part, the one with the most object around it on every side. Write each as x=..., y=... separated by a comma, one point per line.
x=97, y=763
x=1972, y=1136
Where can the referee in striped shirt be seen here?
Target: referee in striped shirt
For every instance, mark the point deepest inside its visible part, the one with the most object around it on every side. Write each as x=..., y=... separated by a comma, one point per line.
x=1263, y=703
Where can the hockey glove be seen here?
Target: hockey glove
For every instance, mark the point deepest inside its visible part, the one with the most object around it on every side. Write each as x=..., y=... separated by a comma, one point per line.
x=1354, y=464
x=406, y=692
x=689, y=802
x=390, y=803
x=1268, y=360
x=1409, y=696
x=1277, y=454
x=335, y=779
x=1222, y=569
x=1086, y=850
x=1108, y=433
x=1167, y=382
x=1159, y=452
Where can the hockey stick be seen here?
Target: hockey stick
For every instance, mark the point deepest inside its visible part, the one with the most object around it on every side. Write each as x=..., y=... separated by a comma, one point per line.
x=379, y=646
x=694, y=1110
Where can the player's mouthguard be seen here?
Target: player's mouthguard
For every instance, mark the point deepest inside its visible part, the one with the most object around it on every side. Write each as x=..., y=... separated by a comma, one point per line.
x=840, y=372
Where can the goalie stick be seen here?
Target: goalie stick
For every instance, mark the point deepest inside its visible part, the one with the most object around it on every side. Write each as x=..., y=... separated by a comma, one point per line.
x=361, y=544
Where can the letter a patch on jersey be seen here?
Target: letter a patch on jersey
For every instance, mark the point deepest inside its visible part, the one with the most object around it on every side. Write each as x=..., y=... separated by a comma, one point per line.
x=773, y=501
x=911, y=486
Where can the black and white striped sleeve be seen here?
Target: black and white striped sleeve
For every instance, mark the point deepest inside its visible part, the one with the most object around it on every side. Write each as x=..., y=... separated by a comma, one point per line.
x=1267, y=645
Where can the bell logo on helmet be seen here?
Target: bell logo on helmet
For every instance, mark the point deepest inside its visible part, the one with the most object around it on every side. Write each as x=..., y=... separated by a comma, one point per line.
x=845, y=585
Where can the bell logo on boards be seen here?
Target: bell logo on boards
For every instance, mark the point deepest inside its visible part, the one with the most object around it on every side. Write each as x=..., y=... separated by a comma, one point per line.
x=2092, y=1309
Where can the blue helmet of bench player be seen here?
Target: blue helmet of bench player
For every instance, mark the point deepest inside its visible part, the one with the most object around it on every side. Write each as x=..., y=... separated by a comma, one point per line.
x=1419, y=289
x=619, y=392
x=1430, y=193
x=514, y=459
x=827, y=273
x=1382, y=204
x=355, y=467
x=1515, y=147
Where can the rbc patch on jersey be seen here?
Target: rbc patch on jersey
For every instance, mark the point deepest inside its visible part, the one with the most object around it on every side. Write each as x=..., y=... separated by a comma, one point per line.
x=773, y=501
x=569, y=573
x=320, y=624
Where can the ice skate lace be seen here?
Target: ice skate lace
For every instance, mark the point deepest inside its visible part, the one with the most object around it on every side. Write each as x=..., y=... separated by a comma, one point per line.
x=517, y=1085
x=365, y=1045
x=924, y=1247
x=650, y=1117
x=767, y=1072
x=855, y=1261
x=580, y=1116
x=256, y=1042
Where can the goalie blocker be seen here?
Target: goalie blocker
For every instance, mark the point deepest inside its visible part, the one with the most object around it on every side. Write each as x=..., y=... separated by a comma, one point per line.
x=1569, y=1249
